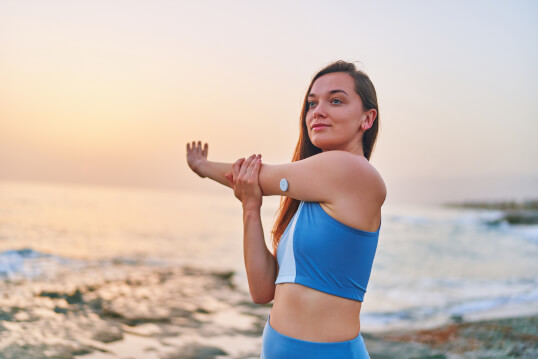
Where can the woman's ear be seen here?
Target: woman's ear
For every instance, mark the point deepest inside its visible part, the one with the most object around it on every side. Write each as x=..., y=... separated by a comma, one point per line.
x=369, y=120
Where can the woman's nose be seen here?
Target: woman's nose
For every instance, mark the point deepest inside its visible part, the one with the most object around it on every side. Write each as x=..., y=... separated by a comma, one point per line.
x=319, y=110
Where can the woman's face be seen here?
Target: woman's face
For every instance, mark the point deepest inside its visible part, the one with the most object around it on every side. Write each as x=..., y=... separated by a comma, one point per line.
x=335, y=114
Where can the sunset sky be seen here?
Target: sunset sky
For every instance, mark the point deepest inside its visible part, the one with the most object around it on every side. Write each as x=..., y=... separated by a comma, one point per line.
x=109, y=92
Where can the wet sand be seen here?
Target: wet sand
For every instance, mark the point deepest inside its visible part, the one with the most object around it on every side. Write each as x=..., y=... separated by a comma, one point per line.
x=119, y=310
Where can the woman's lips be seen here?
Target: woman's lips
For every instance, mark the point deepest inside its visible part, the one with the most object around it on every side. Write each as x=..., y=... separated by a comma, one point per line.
x=319, y=127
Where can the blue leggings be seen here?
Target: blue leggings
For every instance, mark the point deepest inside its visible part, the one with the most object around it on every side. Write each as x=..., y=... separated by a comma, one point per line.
x=279, y=346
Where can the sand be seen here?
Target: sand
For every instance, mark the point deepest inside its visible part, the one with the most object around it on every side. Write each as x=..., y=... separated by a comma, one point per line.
x=126, y=310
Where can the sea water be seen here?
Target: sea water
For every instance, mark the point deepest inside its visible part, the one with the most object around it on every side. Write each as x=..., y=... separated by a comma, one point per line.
x=433, y=263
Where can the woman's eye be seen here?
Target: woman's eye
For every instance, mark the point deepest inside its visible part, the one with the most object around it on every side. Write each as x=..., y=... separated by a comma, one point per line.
x=312, y=103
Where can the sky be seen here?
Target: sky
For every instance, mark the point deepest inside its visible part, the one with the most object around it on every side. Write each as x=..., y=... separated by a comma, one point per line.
x=109, y=92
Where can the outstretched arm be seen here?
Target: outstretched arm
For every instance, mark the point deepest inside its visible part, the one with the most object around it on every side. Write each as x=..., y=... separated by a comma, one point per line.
x=324, y=177
x=242, y=176
x=197, y=161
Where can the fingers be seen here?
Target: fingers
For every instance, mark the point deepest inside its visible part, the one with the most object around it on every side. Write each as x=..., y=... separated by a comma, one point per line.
x=191, y=146
x=254, y=168
x=244, y=179
x=235, y=171
x=244, y=167
x=257, y=167
x=236, y=167
x=197, y=147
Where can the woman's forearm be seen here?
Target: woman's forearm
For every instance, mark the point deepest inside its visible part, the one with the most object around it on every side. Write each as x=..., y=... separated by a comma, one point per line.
x=215, y=171
x=260, y=264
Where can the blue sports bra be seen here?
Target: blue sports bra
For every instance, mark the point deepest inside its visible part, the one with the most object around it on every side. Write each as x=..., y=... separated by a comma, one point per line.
x=322, y=253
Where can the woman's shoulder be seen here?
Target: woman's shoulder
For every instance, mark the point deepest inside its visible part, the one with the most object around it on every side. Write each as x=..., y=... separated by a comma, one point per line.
x=361, y=174
x=375, y=184
x=354, y=165
x=358, y=203
x=377, y=181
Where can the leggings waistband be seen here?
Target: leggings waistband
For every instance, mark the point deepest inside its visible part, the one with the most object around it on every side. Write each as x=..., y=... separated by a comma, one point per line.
x=277, y=345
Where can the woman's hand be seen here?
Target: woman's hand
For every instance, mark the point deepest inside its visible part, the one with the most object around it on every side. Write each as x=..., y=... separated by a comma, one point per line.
x=196, y=156
x=244, y=182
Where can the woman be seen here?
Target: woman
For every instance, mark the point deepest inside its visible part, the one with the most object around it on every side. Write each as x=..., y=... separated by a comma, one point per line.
x=325, y=237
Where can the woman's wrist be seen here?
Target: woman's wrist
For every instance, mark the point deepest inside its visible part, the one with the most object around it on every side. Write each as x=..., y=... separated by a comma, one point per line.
x=250, y=211
x=200, y=169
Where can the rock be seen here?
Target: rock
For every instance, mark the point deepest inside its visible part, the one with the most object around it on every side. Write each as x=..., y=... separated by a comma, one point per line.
x=21, y=317
x=75, y=298
x=521, y=217
x=131, y=312
x=60, y=310
x=196, y=351
x=484, y=339
x=531, y=204
x=43, y=351
x=144, y=330
x=52, y=295
x=108, y=334
x=7, y=315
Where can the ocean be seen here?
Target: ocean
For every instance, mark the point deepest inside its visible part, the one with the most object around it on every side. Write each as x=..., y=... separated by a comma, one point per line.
x=434, y=264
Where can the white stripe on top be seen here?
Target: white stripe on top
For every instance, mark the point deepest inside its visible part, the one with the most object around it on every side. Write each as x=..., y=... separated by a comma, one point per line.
x=287, y=269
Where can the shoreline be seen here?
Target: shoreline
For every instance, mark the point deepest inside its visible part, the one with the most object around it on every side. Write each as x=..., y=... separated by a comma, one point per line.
x=492, y=338
x=513, y=212
x=123, y=310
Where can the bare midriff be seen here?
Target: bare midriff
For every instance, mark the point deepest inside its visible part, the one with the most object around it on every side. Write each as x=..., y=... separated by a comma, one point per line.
x=304, y=313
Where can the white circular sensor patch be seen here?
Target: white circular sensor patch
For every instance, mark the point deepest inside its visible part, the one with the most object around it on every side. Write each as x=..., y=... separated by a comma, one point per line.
x=284, y=184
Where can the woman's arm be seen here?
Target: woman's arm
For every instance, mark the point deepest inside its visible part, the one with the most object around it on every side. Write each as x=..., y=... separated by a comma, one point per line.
x=260, y=264
x=242, y=176
x=324, y=177
x=216, y=171
x=197, y=161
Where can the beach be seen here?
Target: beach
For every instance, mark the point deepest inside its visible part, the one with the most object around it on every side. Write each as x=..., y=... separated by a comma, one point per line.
x=127, y=310
x=119, y=310
x=94, y=273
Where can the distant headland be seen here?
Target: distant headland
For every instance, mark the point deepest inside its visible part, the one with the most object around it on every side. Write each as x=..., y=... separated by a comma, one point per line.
x=515, y=212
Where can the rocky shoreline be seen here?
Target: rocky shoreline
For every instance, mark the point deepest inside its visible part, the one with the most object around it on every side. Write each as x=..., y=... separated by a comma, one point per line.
x=522, y=213
x=499, y=338
x=160, y=312
x=117, y=310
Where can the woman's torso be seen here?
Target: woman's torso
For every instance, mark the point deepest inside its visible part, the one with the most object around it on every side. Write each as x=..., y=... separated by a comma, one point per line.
x=308, y=314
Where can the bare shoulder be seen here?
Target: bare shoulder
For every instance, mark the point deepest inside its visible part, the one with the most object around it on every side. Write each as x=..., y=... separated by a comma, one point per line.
x=363, y=178
x=359, y=201
x=376, y=183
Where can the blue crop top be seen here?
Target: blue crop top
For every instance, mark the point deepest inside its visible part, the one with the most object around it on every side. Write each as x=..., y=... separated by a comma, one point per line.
x=322, y=253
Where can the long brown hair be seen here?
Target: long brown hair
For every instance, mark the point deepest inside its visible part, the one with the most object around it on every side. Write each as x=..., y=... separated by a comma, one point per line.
x=304, y=149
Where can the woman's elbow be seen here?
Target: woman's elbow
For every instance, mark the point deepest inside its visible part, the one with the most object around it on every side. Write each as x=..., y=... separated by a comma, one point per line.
x=261, y=300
